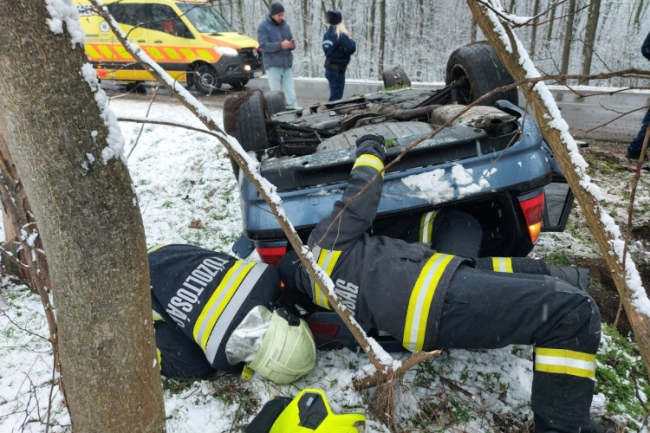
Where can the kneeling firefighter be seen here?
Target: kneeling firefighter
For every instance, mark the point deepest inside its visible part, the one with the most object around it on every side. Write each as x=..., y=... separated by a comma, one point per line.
x=212, y=313
x=430, y=300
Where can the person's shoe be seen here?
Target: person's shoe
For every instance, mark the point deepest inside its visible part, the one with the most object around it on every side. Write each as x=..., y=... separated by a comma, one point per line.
x=577, y=277
x=633, y=155
x=544, y=426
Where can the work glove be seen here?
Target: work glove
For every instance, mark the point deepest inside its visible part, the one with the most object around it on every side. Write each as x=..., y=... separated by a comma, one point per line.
x=372, y=144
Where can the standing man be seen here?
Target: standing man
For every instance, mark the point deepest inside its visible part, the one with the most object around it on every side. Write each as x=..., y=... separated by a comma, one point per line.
x=276, y=43
x=634, y=149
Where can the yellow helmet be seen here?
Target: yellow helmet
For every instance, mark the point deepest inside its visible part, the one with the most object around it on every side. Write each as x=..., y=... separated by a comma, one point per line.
x=308, y=412
x=287, y=352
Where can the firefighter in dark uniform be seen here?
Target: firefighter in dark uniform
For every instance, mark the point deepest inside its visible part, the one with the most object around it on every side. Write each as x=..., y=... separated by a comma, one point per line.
x=431, y=300
x=200, y=297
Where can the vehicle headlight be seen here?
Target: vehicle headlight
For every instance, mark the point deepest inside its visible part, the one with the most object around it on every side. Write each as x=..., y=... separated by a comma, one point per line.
x=247, y=68
x=226, y=51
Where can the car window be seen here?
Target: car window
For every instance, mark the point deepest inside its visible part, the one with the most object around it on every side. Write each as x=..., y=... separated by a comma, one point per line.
x=133, y=14
x=205, y=19
x=164, y=19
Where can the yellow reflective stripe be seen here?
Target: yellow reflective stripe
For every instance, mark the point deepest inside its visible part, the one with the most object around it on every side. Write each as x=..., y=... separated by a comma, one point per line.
x=326, y=260
x=369, y=161
x=159, y=358
x=156, y=316
x=502, y=264
x=562, y=361
x=218, y=301
x=156, y=247
x=425, y=287
x=426, y=226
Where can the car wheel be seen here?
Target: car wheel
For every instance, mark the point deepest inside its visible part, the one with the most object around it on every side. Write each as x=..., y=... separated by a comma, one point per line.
x=244, y=118
x=206, y=80
x=275, y=102
x=476, y=71
x=395, y=78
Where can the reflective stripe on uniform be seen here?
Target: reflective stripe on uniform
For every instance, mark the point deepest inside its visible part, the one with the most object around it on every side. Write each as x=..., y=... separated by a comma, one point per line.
x=326, y=260
x=155, y=248
x=562, y=361
x=426, y=226
x=224, y=304
x=425, y=287
x=156, y=316
x=159, y=358
x=366, y=160
x=502, y=264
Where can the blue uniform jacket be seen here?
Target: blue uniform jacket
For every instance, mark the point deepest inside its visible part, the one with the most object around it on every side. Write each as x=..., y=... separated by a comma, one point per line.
x=270, y=35
x=338, y=49
x=645, y=48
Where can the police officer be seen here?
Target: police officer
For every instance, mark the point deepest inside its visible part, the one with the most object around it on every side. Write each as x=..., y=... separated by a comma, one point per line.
x=201, y=298
x=431, y=300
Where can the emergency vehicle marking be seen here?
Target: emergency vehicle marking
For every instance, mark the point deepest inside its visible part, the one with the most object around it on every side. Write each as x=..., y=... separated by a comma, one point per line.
x=502, y=264
x=218, y=331
x=426, y=226
x=366, y=160
x=184, y=300
x=108, y=52
x=563, y=361
x=326, y=260
x=347, y=293
x=425, y=287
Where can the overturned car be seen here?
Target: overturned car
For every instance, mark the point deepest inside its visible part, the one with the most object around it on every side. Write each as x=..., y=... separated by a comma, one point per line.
x=490, y=161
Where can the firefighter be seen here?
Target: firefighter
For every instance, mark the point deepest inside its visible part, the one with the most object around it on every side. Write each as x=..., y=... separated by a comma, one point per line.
x=212, y=313
x=431, y=300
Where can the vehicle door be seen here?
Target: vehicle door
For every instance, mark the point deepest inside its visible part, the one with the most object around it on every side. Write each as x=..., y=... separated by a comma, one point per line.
x=131, y=18
x=170, y=41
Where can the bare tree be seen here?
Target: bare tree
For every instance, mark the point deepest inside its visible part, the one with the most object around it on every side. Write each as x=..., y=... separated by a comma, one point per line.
x=88, y=216
x=568, y=37
x=590, y=38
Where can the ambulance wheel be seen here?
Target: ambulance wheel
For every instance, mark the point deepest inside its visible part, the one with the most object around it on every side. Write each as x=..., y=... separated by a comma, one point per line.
x=206, y=80
x=476, y=71
x=244, y=117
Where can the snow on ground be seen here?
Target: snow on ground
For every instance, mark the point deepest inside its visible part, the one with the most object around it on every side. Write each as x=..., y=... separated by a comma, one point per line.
x=187, y=194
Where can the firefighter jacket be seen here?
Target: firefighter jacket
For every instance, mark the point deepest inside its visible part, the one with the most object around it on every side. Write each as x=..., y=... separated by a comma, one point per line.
x=389, y=284
x=205, y=295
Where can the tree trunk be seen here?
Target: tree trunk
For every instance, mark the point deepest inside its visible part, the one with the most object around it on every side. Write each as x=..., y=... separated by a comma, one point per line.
x=371, y=37
x=568, y=37
x=590, y=38
x=551, y=21
x=593, y=212
x=382, y=36
x=533, y=34
x=90, y=225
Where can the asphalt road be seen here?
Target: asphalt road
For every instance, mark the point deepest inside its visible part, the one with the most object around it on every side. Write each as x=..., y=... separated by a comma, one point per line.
x=604, y=116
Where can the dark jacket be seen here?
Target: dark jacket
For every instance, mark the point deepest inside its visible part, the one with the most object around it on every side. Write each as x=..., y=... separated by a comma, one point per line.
x=645, y=48
x=205, y=295
x=338, y=49
x=411, y=278
x=270, y=35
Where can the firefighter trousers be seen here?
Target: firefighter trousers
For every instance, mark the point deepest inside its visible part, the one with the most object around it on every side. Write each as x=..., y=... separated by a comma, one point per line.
x=486, y=310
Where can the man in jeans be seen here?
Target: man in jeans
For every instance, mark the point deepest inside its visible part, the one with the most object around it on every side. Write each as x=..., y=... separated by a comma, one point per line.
x=634, y=149
x=276, y=44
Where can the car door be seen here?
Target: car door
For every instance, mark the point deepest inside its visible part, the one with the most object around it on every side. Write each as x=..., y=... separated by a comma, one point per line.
x=131, y=18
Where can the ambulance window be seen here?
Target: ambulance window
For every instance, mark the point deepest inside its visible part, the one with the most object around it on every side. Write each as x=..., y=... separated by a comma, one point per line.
x=131, y=14
x=164, y=19
x=205, y=19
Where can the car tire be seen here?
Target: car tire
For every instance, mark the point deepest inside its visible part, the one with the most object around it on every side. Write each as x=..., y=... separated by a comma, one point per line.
x=244, y=117
x=479, y=71
x=206, y=80
x=395, y=77
x=275, y=102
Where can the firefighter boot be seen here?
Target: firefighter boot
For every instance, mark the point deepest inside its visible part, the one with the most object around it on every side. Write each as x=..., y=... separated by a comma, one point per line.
x=577, y=277
x=543, y=425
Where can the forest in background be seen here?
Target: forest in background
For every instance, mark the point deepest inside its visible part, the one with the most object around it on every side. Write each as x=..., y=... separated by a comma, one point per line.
x=419, y=35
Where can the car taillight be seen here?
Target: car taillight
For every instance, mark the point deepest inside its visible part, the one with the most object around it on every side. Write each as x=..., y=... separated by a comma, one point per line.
x=271, y=255
x=533, y=209
x=324, y=330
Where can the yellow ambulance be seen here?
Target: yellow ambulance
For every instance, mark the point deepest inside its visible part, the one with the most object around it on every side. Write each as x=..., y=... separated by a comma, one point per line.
x=188, y=38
